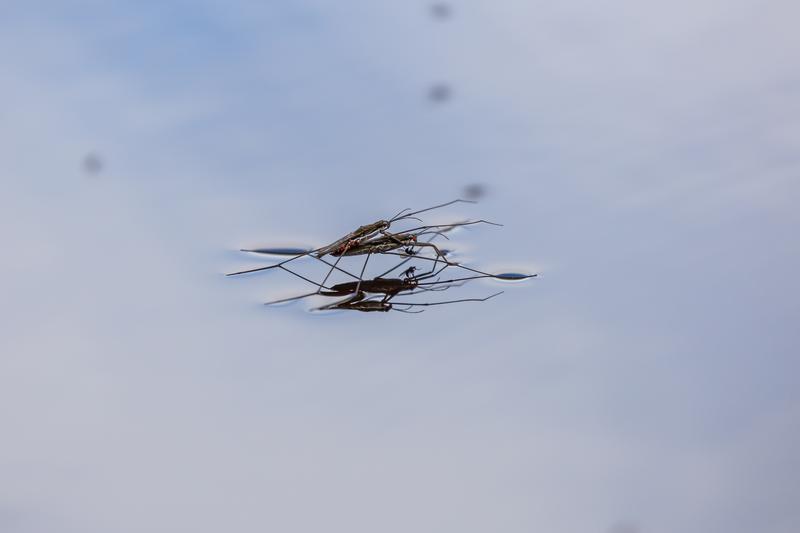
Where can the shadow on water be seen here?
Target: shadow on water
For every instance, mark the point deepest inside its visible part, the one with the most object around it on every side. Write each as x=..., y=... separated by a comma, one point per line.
x=281, y=251
x=514, y=277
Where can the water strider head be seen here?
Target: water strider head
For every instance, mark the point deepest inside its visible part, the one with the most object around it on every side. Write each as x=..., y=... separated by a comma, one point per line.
x=409, y=272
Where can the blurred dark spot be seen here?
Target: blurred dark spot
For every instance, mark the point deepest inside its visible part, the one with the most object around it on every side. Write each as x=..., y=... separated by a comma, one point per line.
x=440, y=93
x=474, y=191
x=92, y=164
x=624, y=527
x=441, y=10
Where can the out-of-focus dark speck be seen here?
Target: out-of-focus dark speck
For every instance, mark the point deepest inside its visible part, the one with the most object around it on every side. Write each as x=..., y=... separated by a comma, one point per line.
x=624, y=527
x=441, y=10
x=92, y=164
x=474, y=191
x=440, y=93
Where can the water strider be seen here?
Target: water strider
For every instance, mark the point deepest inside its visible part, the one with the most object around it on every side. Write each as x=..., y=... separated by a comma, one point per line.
x=370, y=294
x=360, y=303
x=366, y=231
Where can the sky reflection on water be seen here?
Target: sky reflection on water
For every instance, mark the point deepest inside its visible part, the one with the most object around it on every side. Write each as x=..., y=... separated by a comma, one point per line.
x=642, y=158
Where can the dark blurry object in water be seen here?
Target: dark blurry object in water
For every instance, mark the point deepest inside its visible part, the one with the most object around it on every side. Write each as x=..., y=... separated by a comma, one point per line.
x=441, y=10
x=440, y=93
x=474, y=191
x=92, y=164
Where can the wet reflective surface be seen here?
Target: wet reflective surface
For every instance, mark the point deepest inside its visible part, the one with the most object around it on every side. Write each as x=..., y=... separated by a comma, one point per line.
x=642, y=156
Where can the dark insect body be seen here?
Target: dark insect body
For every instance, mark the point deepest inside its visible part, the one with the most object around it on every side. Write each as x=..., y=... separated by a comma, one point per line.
x=341, y=245
x=359, y=303
x=389, y=287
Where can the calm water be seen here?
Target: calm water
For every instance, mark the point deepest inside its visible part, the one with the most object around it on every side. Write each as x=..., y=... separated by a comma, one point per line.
x=643, y=161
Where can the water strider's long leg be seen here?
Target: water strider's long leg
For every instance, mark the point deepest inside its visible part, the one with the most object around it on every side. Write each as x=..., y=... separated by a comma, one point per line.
x=411, y=214
x=361, y=233
x=309, y=253
x=453, y=225
x=423, y=258
x=411, y=292
x=495, y=276
x=293, y=273
x=407, y=311
x=357, y=292
x=280, y=265
x=439, y=253
x=283, y=300
x=330, y=271
x=449, y=301
x=409, y=258
x=361, y=276
x=333, y=265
